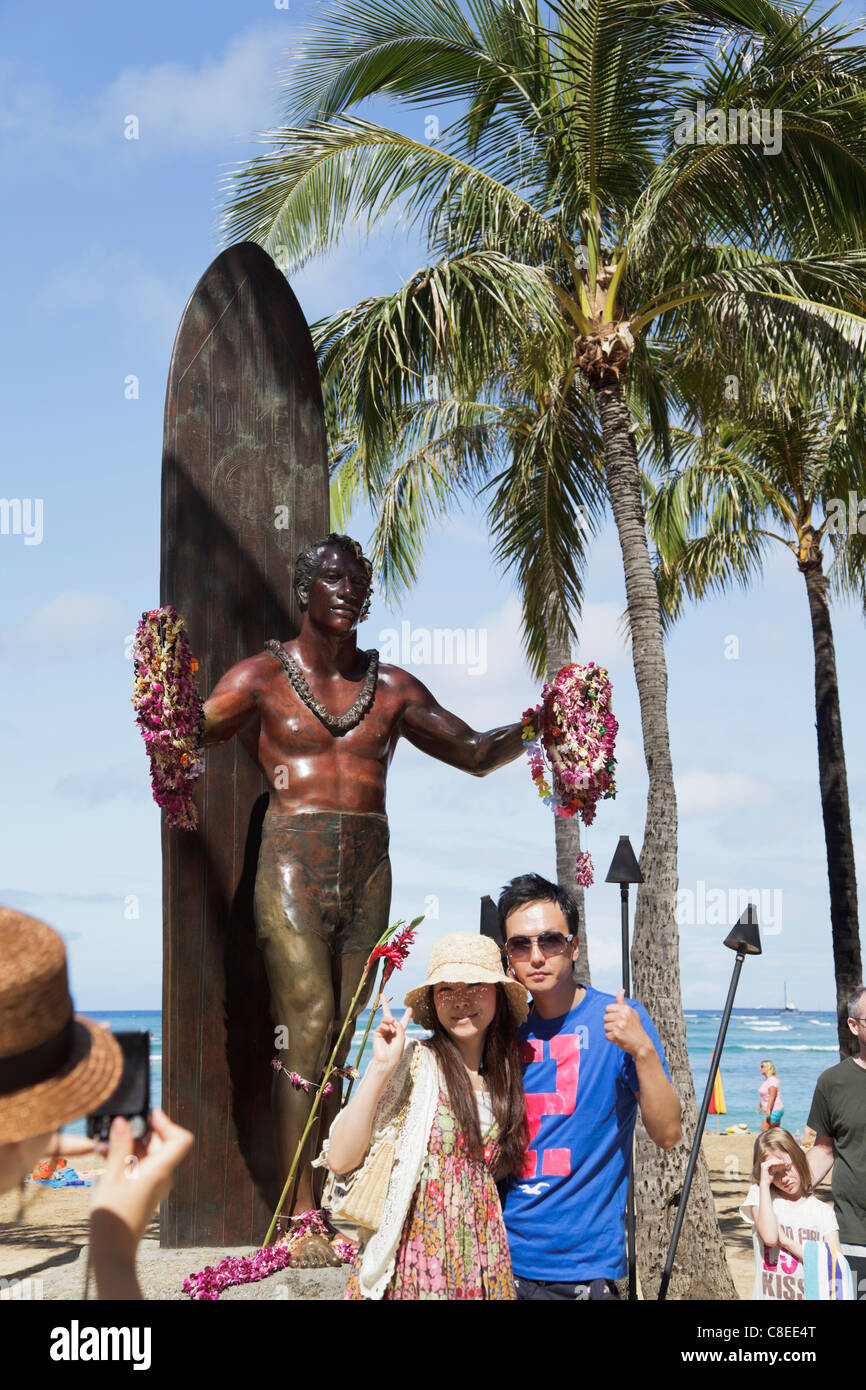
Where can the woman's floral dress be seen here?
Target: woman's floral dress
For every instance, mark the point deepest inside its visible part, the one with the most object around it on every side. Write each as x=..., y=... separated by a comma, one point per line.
x=453, y=1244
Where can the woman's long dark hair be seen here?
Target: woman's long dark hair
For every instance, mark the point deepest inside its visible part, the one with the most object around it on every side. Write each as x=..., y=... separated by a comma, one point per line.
x=503, y=1073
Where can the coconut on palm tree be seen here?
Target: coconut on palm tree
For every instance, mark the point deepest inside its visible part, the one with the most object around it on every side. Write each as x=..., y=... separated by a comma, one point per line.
x=560, y=203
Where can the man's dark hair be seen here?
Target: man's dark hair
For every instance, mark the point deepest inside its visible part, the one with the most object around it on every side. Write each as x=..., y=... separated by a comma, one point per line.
x=308, y=563
x=532, y=888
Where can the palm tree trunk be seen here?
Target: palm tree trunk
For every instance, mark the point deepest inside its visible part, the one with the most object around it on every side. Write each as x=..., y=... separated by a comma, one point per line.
x=567, y=828
x=701, y=1270
x=844, y=923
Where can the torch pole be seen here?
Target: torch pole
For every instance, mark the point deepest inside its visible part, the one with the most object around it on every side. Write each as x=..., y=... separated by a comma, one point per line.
x=629, y=1201
x=702, y=1120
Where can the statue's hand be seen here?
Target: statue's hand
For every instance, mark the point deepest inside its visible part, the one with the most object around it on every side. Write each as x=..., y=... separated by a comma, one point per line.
x=389, y=1039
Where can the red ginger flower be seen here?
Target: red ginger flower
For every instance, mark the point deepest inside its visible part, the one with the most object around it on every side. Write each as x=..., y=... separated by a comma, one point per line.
x=394, y=952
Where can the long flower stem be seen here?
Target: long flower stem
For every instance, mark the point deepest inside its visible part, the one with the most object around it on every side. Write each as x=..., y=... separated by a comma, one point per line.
x=350, y=1015
x=373, y=1012
x=315, y=1106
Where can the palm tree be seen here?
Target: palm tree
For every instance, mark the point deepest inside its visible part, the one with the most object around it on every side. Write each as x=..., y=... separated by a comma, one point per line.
x=560, y=200
x=540, y=512
x=737, y=490
x=567, y=829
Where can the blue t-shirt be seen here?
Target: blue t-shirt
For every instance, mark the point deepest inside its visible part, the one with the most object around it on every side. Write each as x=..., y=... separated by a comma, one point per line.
x=566, y=1218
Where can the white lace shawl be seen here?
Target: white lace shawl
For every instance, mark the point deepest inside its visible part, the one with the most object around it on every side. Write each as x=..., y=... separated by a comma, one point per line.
x=421, y=1093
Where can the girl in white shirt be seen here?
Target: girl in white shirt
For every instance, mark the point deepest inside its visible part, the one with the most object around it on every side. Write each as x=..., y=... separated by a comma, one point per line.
x=781, y=1207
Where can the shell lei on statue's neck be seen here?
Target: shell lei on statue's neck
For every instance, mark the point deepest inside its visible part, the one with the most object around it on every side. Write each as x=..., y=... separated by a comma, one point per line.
x=335, y=724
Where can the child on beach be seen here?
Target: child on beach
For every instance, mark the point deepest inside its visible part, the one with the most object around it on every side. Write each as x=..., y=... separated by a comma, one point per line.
x=455, y=1107
x=784, y=1213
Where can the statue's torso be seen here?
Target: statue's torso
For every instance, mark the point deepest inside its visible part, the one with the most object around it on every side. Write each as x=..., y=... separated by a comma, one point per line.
x=307, y=767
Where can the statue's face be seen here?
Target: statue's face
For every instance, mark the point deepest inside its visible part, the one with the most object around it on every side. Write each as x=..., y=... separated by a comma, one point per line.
x=338, y=590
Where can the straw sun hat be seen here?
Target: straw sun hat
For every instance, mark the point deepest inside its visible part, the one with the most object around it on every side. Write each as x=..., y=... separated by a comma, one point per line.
x=54, y=1065
x=464, y=958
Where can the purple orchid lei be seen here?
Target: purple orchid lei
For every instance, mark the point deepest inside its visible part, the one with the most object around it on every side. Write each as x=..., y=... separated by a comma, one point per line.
x=301, y=1084
x=211, y=1281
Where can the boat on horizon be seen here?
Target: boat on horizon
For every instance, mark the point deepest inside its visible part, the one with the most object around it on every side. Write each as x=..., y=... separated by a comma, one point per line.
x=788, y=1008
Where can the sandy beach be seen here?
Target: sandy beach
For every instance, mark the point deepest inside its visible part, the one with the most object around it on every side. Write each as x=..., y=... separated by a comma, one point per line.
x=49, y=1244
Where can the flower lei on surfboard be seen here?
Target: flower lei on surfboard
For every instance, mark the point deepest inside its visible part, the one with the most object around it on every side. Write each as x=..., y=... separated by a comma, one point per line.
x=168, y=710
x=569, y=740
x=393, y=947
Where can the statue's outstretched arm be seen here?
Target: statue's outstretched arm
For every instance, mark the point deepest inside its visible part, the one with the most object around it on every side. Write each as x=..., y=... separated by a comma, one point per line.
x=441, y=734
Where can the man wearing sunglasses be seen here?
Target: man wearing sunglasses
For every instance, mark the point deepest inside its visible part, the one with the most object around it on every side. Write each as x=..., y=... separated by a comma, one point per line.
x=591, y=1060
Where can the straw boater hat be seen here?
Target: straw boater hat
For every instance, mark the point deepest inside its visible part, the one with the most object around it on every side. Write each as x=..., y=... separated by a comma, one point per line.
x=54, y=1065
x=464, y=958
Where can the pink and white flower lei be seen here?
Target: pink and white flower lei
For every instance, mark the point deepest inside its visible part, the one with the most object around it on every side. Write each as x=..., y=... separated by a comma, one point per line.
x=168, y=710
x=570, y=739
x=210, y=1282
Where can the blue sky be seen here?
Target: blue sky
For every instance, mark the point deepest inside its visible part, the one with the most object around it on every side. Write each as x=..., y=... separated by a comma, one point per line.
x=104, y=240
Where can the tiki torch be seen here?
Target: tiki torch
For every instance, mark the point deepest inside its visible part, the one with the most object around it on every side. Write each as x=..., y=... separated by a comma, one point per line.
x=625, y=870
x=745, y=939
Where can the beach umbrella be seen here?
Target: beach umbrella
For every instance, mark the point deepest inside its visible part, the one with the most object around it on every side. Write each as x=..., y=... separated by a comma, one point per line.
x=717, y=1099
x=745, y=939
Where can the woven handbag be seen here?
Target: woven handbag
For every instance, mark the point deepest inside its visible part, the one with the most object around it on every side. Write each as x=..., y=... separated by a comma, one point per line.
x=355, y=1202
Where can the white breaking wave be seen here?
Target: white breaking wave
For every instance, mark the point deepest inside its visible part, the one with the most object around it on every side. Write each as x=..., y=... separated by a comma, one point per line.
x=787, y=1047
x=768, y=1028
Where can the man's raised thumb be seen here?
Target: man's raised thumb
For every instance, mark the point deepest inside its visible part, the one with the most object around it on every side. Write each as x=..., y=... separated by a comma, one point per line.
x=620, y=996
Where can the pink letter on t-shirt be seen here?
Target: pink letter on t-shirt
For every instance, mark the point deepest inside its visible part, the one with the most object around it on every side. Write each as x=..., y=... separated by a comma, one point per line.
x=565, y=1051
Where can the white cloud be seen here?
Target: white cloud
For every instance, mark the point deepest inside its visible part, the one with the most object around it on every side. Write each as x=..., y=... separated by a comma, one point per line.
x=23, y=900
x=358, y=267
x=180, y=107
x=121, y=280
x=226, y=98
x=502, y=687
x=28, y=104
x=99, y=785
x=70, y=625
x=467, y=530
x=600, y=638
x=704, y=793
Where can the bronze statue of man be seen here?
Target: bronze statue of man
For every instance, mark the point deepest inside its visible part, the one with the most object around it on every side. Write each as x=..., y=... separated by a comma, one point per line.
x=322, y=720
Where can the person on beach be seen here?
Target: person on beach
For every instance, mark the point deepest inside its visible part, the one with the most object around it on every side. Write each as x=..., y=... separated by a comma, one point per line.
x=784, y=1213
x=770, y=1097
x=592, y=1061
x=55, y=1067
x=838, y=1115
x=457, y=1103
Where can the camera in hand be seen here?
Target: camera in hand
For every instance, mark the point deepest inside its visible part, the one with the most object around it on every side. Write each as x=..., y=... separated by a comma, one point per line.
x=131, y=1099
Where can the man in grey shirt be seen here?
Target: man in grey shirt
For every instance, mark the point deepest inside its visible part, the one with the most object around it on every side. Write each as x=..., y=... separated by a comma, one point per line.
x=838, y=1116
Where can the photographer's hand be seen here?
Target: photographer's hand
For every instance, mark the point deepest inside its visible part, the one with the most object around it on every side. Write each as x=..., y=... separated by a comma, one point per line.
x=136, y=1179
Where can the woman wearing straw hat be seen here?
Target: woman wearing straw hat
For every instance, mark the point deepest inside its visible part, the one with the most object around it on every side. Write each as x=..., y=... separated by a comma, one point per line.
x=56, y=1066
x=453, y=1108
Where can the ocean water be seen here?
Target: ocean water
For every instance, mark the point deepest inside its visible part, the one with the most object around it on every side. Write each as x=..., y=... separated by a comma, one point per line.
x=801, y=1045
